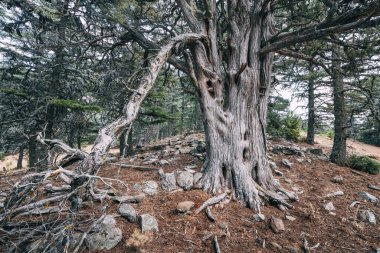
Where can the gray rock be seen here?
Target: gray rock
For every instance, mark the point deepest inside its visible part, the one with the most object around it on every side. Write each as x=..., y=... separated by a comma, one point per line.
x=277, y=225
x=329, y=207
x=150, y=160
x=335, y=194
x=150, y=187
x=315, y=151
x=291, y=218
x=288, y=150
x=185, y=180
x=167, y=181
x=185, y=206
x=106, y=237
x=128, y=212
x=287, y=163
x=367, y=216
x=163, y=162
x=148, y=223
x=259, y=217
x=197, y=180
x=337, y=179
x=368, y=197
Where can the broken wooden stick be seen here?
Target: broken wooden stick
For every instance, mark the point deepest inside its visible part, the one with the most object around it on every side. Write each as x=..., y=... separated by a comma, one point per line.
x=374, y=187
x=216, y=245
x=211, y=201
x=137, y=167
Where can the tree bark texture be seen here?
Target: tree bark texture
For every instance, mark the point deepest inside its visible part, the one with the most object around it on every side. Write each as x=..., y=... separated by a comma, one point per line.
x=338, y=153
x=310, y=111
x=234, y=103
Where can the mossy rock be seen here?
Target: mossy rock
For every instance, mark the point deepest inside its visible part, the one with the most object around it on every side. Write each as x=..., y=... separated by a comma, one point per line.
x=364, y=163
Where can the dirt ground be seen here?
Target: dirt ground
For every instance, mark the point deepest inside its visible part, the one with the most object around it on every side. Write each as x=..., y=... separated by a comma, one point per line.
x=235, y=226
x=353, y=147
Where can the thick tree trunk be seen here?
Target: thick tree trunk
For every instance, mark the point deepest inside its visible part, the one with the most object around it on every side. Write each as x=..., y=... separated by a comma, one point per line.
x=338, y=153
x=234, y=105
x=311, y=112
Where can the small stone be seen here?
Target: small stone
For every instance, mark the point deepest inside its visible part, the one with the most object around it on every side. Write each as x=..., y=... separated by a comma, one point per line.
x=368, y=197
x=367, y=216
x=185, y=180
x=337, y=179
x=259, y=217
x=148, y=223
x=300, y=160
x=106, y=237
x=150, y=187
x=354, y=203
x=163, y=162
x=277, y=225
x=287, y=163
x=291, y=218
x=329, y=207
x=275, y=245
x=197, y=180
x=167, y=181
x=128, y=212
x=185, y=206
x=335, y=194
x=315, y=151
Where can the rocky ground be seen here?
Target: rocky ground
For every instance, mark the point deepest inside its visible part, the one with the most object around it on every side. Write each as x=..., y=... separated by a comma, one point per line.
x=337, y=211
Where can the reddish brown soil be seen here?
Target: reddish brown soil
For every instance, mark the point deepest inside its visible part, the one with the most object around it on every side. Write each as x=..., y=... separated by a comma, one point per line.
x=187, y=233
x=192, y=233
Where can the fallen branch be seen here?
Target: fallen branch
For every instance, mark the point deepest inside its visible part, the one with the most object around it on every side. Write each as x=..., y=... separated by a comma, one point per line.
x=216, y=245
x=137, y=167
x=374, y=187
x=211, y=201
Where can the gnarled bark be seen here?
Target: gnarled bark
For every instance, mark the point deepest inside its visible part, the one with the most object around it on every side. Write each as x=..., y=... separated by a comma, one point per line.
x=234, y=103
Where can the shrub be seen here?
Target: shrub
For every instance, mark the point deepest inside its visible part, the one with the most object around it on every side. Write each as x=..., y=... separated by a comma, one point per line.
x=370, y=136
x=364, y=163
x=288, y=126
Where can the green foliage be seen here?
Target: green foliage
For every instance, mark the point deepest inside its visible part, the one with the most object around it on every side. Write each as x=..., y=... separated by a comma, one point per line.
x=282, y=123
x=2, y=156
x=371, y=136
x=328, y=133
x=364, y=163
x=13, y=92
x=75, y=105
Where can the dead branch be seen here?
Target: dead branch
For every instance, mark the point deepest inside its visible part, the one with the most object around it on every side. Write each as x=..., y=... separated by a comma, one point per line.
x=216, y=245
x=211, y=201
x=137, y=167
